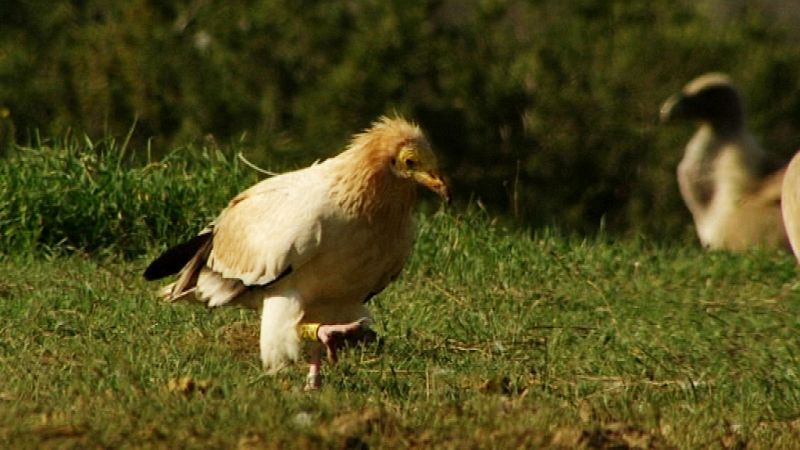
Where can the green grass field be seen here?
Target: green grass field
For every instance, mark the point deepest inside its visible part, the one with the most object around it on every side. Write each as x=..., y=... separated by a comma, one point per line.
x=493, y=338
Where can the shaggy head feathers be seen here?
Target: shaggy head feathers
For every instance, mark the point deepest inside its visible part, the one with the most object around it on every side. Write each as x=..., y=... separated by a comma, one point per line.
x=382, y=165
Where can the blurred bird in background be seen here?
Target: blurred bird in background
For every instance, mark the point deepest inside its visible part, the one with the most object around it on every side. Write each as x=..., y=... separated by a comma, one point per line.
x=790, y=203
x=723, y=176
x=309, y=248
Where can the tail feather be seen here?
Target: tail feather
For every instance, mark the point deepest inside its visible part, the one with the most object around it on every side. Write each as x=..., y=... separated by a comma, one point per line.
x=176, y=258
x=166, y=293
x=187, y=279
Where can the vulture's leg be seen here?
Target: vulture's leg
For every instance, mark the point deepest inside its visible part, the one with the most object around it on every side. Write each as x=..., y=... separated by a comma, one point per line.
x=314, y=377
x=331, y=337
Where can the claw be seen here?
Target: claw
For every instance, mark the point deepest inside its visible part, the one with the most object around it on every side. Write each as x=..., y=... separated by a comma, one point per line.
x=335, y=336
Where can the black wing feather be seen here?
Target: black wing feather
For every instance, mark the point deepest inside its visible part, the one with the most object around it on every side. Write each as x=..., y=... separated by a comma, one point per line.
x=172, y=261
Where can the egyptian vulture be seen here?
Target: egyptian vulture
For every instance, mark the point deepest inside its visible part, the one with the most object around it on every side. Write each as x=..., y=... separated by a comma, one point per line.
x=723, y=176
x=790, y=203
x=310, y=247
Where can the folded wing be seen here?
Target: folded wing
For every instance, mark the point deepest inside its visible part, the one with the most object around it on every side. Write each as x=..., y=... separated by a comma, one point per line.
x=264, y=234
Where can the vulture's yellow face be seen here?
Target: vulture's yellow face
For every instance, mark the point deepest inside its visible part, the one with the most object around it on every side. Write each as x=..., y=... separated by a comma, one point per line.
x=415, y=161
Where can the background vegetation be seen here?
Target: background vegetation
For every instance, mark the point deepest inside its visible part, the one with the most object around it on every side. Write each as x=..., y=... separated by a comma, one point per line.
x=80, y=195
x=119, y=122
x=543, y=109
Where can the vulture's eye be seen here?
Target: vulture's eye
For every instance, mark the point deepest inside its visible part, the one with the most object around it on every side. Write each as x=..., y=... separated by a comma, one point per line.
x=410, y=163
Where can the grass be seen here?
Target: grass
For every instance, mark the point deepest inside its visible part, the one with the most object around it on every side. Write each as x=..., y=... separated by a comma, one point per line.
x=72, y=193
x=494, y=338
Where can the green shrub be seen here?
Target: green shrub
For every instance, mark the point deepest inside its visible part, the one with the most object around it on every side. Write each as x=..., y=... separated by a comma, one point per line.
x=73, y=194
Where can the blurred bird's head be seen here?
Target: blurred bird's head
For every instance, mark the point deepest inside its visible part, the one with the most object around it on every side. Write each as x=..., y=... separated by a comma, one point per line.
x=406, y=150
x=710, y=98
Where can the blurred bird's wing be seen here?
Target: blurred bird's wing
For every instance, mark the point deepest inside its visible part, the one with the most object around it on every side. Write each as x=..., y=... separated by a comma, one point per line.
x=769, y=190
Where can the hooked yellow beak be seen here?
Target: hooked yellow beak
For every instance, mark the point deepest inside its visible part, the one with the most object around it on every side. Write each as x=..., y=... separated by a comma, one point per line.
x=435, y=182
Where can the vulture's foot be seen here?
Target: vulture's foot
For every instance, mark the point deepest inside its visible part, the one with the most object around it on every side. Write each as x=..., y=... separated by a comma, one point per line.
x=332, y=338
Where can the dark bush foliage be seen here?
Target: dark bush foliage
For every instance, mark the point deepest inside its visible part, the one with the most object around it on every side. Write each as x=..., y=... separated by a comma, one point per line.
x=543, y=109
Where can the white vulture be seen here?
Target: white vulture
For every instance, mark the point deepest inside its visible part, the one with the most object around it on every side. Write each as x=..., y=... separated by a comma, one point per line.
x=790, y=203
x=310, y=247
x=723, y=175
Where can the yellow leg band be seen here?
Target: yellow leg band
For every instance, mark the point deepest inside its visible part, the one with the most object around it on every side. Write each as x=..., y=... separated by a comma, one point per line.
x=308, y=331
